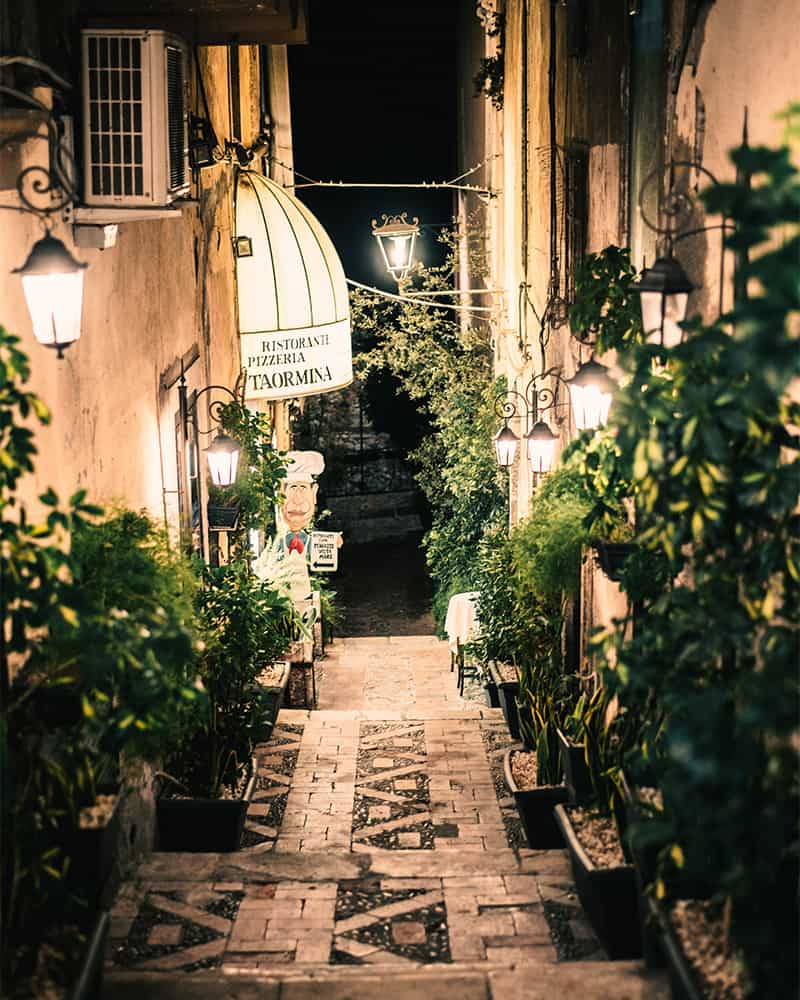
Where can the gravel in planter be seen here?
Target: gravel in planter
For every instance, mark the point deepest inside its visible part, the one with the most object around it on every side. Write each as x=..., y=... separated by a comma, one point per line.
x=598, y=836
x=523, y=768
x=699, y=926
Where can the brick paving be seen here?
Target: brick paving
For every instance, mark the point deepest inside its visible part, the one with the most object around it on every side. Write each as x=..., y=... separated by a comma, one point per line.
x=380, y=855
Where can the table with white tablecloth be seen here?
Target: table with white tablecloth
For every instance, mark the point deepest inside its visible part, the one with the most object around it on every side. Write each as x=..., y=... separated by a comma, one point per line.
x=462, y=627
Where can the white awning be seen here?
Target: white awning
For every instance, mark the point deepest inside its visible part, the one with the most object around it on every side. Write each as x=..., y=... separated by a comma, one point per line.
x=294, y=312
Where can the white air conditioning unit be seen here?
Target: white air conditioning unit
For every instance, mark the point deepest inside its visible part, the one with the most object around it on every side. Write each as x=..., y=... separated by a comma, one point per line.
x=135, y=128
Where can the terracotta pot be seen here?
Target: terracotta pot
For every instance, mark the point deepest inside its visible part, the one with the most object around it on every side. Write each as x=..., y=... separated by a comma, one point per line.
x=535, y=807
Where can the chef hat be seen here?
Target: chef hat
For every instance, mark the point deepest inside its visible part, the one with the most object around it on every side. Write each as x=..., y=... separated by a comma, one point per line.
x=303, y=466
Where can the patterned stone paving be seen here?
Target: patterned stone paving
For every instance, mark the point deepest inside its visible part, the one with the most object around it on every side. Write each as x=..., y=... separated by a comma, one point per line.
x=391, y=808
x=380, y=841
x=276, y=763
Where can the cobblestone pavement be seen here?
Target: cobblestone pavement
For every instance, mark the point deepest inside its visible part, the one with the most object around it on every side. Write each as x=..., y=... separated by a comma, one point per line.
x=381, y=855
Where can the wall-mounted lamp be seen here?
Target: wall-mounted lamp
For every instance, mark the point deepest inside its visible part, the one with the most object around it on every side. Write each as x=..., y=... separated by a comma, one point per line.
x=664, y=288
x=52, y=281
x=591, y=390
x=664, y=295
x=223, y=452
x=537, y=399
x=397, y=239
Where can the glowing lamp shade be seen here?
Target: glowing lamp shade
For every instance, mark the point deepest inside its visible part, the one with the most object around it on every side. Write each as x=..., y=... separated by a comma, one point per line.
x=591, y=390
x=52, y=281
x=541, y=447
x=664, y=293
x=505, y=447
x=397, y=238
x=223, y=460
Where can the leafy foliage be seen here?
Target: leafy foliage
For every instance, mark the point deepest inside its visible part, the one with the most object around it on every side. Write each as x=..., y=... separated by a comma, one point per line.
x=447, y=373
x=245, y=625
x=708, y=435
x=261, y=469
x=606, y=311
x=90, y=676
x=489, y=79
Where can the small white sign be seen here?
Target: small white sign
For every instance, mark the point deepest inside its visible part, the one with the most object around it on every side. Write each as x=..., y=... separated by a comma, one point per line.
x=325, y=551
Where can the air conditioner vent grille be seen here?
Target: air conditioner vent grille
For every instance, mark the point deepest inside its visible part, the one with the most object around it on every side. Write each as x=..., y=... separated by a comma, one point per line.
x=175, y=118
x=115, y=116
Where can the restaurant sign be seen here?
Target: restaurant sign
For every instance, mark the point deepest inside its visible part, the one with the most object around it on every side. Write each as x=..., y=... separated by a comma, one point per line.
x=294, y=309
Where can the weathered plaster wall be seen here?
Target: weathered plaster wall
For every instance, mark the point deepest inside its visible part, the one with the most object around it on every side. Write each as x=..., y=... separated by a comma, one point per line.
x=740, y=56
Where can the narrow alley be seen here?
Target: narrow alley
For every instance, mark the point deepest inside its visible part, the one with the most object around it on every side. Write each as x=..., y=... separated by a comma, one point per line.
x=380, y=852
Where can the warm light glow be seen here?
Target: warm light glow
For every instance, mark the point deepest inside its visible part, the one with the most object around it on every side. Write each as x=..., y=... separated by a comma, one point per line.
x=396, y=238
x=55, y=302
x=52, y=282
x=398, y=254
x=591, y=390
x=223, y=460
x=505, y=447
x=541, y=447
x=664, y=329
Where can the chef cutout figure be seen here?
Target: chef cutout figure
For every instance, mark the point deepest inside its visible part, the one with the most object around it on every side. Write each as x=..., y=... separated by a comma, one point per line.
x=296, y=513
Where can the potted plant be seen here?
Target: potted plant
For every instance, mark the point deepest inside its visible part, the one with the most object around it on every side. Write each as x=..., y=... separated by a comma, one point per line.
x=535, y=802
x=246, y=624
x=506, y=682
x=605, y=881
x=61, y=636
x=270, y=690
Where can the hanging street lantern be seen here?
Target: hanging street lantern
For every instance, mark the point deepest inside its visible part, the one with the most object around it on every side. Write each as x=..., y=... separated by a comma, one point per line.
x=397, y=238
x=505, y=447
x=591, y=389
x=664, y=293
x=223, y=460
x=52, y=281
x=541, y=447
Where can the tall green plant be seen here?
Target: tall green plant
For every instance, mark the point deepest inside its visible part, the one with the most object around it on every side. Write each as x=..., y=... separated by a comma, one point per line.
x=446, y=372
x=708, y=436
x=60, y=636
x=245, y=625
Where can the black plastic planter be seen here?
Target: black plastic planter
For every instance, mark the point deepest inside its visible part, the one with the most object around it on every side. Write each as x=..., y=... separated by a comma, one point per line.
x=577, y=776
x=608, y=895
x=222, y=518
x=268, y=704
x=93, y=852
x=611, y=557
x=492, y=694
x=681, y=979
x=507, y=692
x=535, y=807
x=213, y=825
x=89, y=982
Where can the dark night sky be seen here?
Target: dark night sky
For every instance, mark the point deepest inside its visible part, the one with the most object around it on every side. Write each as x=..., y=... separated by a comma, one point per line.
x=374, y=99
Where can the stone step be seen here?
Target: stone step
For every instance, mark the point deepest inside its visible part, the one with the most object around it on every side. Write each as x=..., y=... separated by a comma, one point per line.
x=529, y=981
